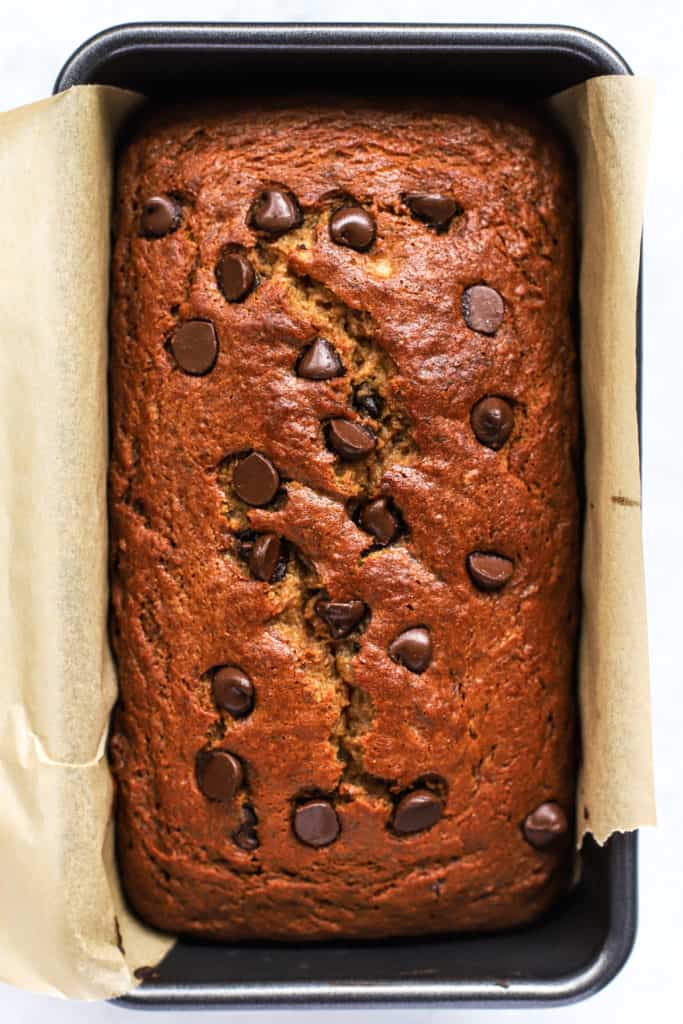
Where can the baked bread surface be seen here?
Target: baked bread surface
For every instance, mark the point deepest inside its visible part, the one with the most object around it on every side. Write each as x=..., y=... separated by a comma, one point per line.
x=483, y=732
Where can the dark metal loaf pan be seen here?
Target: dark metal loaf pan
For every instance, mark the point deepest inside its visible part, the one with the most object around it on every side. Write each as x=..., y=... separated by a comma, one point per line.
x=586, y=940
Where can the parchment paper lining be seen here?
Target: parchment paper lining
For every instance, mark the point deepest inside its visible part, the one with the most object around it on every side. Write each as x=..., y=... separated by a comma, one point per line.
x=63, y=926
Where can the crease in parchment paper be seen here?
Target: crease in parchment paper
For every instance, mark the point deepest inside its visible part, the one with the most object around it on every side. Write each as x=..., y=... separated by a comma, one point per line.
x=17, y=737
x=64, y=925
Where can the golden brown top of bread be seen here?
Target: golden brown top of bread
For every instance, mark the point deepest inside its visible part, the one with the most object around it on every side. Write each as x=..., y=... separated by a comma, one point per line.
x=308, y=494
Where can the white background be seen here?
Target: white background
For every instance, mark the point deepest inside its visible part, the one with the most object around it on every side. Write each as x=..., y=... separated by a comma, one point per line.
x=35, y=39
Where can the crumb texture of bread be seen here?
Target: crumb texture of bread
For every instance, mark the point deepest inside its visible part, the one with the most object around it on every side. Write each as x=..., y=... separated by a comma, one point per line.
x=392, y=602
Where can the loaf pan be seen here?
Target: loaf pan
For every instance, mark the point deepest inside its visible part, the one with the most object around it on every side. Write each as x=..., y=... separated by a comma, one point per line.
x=585, y=941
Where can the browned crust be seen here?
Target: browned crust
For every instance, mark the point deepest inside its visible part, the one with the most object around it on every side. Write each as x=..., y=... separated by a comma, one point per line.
x=493, y=714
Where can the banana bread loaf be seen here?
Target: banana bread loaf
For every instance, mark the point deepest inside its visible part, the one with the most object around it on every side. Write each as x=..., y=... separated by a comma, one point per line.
x=344, y=518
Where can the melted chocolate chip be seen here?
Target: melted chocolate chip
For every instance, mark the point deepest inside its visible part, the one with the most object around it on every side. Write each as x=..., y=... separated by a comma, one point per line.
x=316, y=823
x=489, y=571
x=482, y=308
x=265, y=557
x=194, y=347
x=160, y=216
x=434, y=209
x=341, y=616
x=417, y=811
x=319, y=361
x=492, y=422
x=233, y=690
x=368, y=402
x=236, y=276
x=354, y=227
x=219, y=774
x=377, y=519
x=255, y=479
x=275, y=212
x=246, y=836
x=350, y=440
x=412, y=649
x=546, y=826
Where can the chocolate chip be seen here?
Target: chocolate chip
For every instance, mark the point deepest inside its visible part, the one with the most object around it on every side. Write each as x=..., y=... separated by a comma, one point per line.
x=546, y=826
x=377, y=518
x=219, y=774
x=246, y=836
x=492, y=421
x=275, y=211
x=160, y=216
x=194, y=347
x=349, y=440
x=368, y=402
x=489, y=571
x=255, y=479
x=417, y=811
x=434, y=209
x=482, y=308
x=247, y=541
x=233, y=690
x=265, y=556
x=236, y=276
x=354, y=227
x=316, y=823
x=249, y=815
x=413, y=649
x=319, y=361
x=341, y=616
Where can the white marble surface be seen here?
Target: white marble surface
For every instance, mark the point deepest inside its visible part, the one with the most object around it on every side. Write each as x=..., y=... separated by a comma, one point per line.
x=36, y=38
